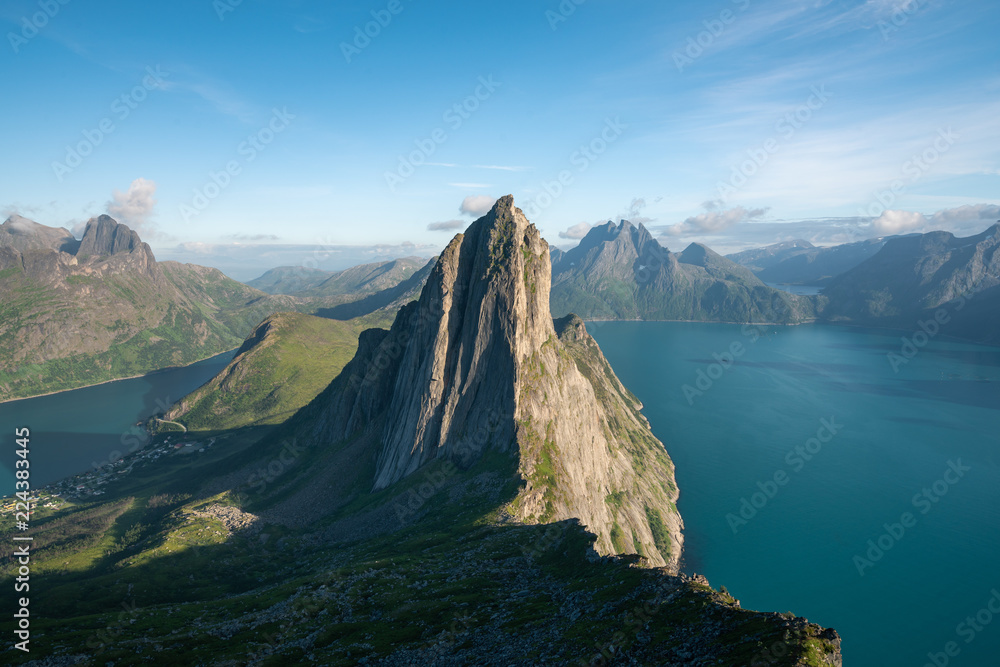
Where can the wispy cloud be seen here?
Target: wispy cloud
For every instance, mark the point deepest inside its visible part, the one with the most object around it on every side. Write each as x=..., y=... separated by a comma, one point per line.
x=495, y=167
x=500, y=167
x=635, y=209
x=447, y=226
x=961, y=219
x=577, y=231
x=219, y=95
x=713, y=220
x=477, y=205
x=135, y=207
x=308, y=24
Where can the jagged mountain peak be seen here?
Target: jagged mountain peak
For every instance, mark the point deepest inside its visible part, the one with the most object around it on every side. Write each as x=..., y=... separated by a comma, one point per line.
x=104, y=235
x=484, y=308
x=476, y=367
x=616, y=250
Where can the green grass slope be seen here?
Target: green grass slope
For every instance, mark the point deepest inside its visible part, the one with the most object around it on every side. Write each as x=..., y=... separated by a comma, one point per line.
x=285, y=363
x=88, y=329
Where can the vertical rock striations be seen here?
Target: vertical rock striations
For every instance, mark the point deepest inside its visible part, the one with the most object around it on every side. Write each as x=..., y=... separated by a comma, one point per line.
x=479, y=353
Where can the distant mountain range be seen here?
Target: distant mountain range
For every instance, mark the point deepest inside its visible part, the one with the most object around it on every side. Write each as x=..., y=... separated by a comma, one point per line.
x=359, y=280
x=141, y=315
x=78, y=312
x=799, y=262
x=911, y=278
x=622, y=272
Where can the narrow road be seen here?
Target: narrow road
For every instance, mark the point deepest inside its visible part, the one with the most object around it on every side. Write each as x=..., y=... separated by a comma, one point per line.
x=166, y=421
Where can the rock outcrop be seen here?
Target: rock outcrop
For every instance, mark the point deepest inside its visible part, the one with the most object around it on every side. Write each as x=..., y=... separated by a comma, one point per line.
x=479, y=353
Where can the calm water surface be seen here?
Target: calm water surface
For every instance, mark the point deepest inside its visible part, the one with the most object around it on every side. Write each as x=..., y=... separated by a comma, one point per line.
x=805, y=546
x=73, y=430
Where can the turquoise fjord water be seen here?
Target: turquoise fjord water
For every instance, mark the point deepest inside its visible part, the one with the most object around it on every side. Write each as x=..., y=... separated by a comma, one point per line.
x=73, y=430
x=933, y=425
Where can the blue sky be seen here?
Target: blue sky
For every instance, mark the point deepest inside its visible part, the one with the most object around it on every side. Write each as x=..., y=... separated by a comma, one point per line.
x=708, y=121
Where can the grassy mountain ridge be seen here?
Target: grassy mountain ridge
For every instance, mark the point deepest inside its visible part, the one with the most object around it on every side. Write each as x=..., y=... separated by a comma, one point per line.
x=283, y=364
x=195, y=579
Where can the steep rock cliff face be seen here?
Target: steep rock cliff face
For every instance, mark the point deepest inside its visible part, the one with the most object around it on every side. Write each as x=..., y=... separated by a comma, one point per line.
x=479, y=353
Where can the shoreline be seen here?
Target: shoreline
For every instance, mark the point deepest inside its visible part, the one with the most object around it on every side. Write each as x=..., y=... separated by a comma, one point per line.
x=122, y=379
x=755, y=324
x=844, y=325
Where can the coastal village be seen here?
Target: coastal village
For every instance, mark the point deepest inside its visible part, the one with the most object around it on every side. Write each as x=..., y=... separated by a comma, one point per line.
x=93, y=483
